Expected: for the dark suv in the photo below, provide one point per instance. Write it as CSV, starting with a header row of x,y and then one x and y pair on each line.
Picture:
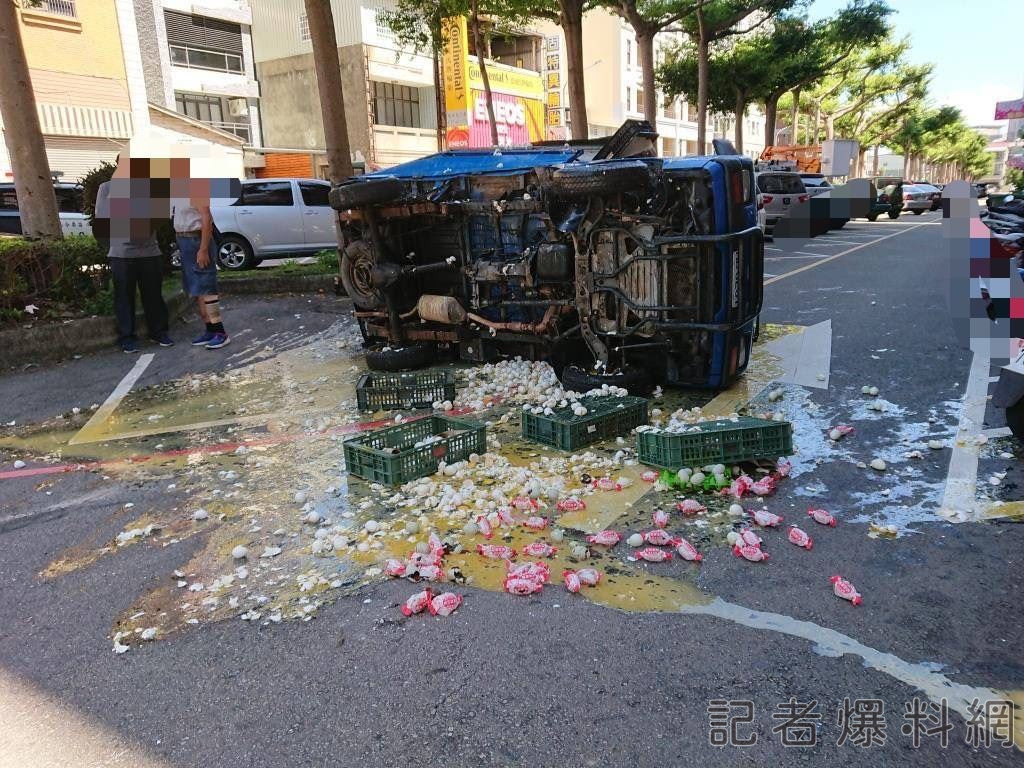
x,y
617,266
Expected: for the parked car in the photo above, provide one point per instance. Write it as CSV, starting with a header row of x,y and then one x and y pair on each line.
x,y
73,220
626,269
274,217
762,215
934,192
917,199
816,183
780,190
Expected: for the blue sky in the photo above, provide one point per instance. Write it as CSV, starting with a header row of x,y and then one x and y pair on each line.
x,y
977,47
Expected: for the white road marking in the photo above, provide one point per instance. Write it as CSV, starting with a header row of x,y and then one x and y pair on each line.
x,y
959,500
804,356
993,379
110,404
834,256
770,248
827,245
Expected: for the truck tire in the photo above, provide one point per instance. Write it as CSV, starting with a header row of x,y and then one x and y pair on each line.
x,y
400,358
1015,420
837,223
357,261
634,380
893,215
872,217
358,194
917,211
590,180
234,253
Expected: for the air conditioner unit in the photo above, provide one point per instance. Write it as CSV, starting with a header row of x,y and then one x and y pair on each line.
x,y
238,107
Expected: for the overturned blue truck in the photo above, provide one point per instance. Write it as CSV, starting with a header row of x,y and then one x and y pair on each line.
x,y
615,265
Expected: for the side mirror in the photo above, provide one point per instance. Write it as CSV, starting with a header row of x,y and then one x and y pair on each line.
x,y
1008,199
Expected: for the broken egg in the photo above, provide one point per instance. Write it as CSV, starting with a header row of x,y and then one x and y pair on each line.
x,y
878,464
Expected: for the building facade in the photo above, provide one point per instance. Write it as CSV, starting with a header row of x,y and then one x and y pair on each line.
x,y
390,98
198,61
82,93
110,83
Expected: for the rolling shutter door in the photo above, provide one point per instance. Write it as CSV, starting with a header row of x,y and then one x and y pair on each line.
x,y
287,165
75,157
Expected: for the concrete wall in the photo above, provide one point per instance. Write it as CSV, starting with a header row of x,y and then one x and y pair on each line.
x,y
291,102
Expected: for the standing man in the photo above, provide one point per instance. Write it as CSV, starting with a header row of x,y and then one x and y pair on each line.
x,y
124,219
193,227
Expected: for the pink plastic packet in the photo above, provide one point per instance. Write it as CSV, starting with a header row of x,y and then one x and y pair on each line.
x,y
821,516
524,503
393,567
416,603
535,523
658,537
484,525
571,504
589,577
539,549
431,572
605,538
750,538
763,487
534,571
496,551
846,590
765,518
572,581
444,604
753,554
649,476
660,518
607,484
652,555
799,537
687,551
516,586
691,507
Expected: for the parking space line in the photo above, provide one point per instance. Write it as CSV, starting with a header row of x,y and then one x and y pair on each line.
x,y
959,500
110,404
834,256
797,255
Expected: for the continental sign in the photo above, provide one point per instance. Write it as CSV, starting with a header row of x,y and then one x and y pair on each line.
x,y
517,96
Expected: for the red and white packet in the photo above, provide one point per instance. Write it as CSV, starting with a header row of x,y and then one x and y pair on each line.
x,y
800,538
846,590
605,538
444,604
416,603
652,555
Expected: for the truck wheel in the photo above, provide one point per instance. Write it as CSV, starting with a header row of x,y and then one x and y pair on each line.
x,y
358,194
893,214
872,217
1015,420
917,212
634,380
837,223
357,262
590,180
400,358
235,253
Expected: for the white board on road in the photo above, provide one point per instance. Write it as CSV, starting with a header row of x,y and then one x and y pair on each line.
x,y
805,356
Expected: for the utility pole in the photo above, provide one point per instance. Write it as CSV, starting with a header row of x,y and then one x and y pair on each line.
x,y
328,79
33,184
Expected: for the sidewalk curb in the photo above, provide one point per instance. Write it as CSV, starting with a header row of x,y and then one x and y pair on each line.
x,y
277,284
59,341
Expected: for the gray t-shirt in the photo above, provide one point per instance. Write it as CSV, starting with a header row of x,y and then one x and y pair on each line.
x,y
121,218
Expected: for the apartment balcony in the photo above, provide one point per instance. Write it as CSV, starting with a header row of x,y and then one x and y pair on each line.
x,y
236,11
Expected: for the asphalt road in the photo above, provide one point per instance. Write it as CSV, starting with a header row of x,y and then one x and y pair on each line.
x,y
548,680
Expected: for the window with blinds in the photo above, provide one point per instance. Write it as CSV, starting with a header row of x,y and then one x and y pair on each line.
x,y
200,42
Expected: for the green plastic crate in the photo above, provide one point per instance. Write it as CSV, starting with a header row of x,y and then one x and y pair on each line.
x,y
607,417
390,455
393,391
716,442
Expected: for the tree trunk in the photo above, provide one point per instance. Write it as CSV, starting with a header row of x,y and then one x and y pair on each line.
x,y
906,163
739,110
817,122
794,118
830,127
481,51
33,184
859,170
332,96
703,74
645,51
771,110
571,22
439,101
874,161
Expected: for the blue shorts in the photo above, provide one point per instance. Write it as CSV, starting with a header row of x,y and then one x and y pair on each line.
x,y
195,280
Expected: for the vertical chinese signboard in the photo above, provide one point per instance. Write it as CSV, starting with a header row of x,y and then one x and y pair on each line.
x,y
553,88
517,96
